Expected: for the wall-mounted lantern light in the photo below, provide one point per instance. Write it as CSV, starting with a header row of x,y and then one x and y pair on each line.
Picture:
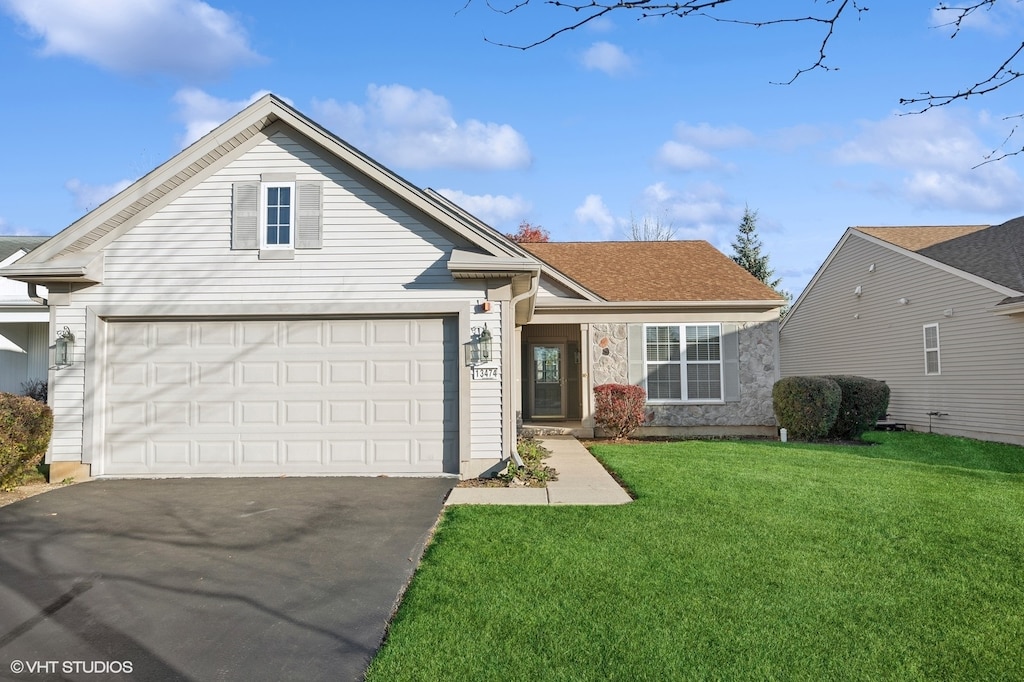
x,y
64,348
479,349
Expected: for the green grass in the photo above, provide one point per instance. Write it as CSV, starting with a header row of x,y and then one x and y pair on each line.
x,y
738,560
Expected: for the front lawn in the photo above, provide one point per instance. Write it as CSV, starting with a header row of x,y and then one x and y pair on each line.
x,y
738,560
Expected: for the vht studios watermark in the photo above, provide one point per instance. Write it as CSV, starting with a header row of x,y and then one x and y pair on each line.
x,y
19,667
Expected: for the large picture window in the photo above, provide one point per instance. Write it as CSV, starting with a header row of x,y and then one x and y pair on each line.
x,y
931,349
683,363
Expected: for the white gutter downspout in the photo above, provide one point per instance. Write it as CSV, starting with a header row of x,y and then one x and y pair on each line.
x,y
510,334
33,294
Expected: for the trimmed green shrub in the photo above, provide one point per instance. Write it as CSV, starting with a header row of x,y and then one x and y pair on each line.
x,y
619,409
25,428
806,406
864,402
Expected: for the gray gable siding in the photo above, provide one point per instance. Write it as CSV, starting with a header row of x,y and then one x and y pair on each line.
x,y
834,331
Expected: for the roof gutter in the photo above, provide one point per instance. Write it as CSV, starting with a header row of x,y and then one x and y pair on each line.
x,y
641,306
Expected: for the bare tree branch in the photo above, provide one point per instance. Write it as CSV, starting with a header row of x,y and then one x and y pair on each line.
x,y
591,10
1002,76
995,154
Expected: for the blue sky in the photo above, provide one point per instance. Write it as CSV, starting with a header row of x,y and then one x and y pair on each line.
x,y
674,120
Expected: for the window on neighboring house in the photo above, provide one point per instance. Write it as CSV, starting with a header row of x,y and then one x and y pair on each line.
x,y
278,214
683,362
931,349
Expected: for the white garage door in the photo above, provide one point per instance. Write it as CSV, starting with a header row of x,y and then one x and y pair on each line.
x,y
250,397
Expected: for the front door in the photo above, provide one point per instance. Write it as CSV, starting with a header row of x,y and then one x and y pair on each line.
x,y
547,380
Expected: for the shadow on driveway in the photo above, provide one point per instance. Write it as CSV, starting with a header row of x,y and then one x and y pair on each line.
x,y
209,579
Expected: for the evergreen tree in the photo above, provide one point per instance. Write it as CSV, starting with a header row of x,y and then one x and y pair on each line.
x,y
747,251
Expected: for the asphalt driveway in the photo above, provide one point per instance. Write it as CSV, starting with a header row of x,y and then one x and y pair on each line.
x,y
208,579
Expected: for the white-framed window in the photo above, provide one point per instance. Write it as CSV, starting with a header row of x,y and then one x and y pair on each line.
x,y
277,215
931,349
683,362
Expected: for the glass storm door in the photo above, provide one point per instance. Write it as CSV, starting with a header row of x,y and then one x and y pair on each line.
x,y
547,379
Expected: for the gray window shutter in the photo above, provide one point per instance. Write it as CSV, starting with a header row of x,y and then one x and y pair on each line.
x,y
635,349
308,215
245,209
731,362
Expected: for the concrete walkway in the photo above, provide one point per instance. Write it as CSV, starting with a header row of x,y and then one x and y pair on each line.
x,y
581,480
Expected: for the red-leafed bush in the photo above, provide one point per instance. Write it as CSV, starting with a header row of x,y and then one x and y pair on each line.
x,y
25,428
620,409
528,234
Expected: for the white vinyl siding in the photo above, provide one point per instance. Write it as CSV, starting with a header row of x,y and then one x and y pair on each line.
x,y
683,363
931,349
375,253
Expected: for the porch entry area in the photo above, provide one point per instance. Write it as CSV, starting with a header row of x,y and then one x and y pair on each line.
x,y
552,374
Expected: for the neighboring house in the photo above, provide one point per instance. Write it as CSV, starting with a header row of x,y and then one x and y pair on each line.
x,y
24,323
271,301
935,312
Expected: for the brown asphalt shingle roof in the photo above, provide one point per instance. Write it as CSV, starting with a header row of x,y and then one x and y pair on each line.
x,y
917,238
653,271
994,253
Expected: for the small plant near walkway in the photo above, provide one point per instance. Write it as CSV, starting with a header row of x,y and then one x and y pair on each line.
x,y
534,473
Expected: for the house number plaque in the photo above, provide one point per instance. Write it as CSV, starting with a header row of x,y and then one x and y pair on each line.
x,y
485,373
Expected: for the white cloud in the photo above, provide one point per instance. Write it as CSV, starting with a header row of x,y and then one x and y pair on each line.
x,y
701,211
685,157
688,150
607,57
934,157
184,38
87,197
416,129
594,212
492,209
711,137
202,112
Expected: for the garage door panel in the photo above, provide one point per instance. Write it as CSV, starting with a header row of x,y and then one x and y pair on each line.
x,y
391,372
214,453
396,332
215,414
347,333
223,397
347,452
258,413
171,414
347,374
172,454
214,334
304,334
259,452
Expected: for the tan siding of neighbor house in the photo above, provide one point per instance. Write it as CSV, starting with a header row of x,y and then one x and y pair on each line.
x,y
375,254
834,331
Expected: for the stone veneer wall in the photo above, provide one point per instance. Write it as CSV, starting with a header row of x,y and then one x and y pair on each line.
x,y
757,345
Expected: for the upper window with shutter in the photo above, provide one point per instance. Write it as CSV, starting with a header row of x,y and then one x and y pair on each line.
x,y
277,215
